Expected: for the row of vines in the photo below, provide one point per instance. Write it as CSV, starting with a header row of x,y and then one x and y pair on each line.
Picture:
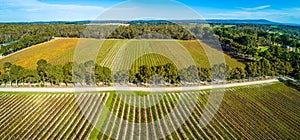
x,y
254,112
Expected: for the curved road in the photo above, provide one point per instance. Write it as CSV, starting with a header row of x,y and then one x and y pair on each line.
x,y
143,89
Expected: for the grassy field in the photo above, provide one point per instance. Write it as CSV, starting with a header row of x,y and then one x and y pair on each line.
x,y
120,54
251,112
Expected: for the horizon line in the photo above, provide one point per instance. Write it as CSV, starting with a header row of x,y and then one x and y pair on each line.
x,y
128,20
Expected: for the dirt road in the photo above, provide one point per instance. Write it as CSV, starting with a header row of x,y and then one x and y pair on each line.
x,y
143,89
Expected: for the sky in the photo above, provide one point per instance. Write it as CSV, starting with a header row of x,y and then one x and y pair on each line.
x,y
284,11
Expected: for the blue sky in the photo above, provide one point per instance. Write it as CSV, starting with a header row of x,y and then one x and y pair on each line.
x,y
286,11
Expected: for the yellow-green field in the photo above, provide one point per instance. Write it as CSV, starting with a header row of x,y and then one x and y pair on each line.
x,y
118,54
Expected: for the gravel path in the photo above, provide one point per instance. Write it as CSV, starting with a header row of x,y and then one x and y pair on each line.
x,y
143,89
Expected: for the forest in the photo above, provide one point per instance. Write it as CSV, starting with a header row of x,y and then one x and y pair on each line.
x,y
265,49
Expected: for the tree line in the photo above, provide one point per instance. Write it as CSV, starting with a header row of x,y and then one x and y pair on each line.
x,y
83,74
92,74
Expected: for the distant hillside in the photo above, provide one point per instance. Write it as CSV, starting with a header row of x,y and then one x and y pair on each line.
x,y
229,21
224,21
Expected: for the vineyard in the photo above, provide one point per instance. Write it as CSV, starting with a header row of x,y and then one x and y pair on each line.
x,y
254,112
124,52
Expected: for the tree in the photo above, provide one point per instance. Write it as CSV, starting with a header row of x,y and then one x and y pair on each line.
x,y
204,74
144,73
89,72
266,67
6,66
55,74
16,73
41,69
219,71
132,77
59,74
79,73
68,73
230,73
189,74
251,69
6,76
50,73
31,76
121,77
107,75
242,73
1,79
171,73
99,75
160,70
287,68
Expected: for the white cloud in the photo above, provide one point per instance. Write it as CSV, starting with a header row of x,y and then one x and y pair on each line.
x,y
162,9
33,10
257,8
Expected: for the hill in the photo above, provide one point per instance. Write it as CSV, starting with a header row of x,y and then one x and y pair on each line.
x,y
62,50
223,21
